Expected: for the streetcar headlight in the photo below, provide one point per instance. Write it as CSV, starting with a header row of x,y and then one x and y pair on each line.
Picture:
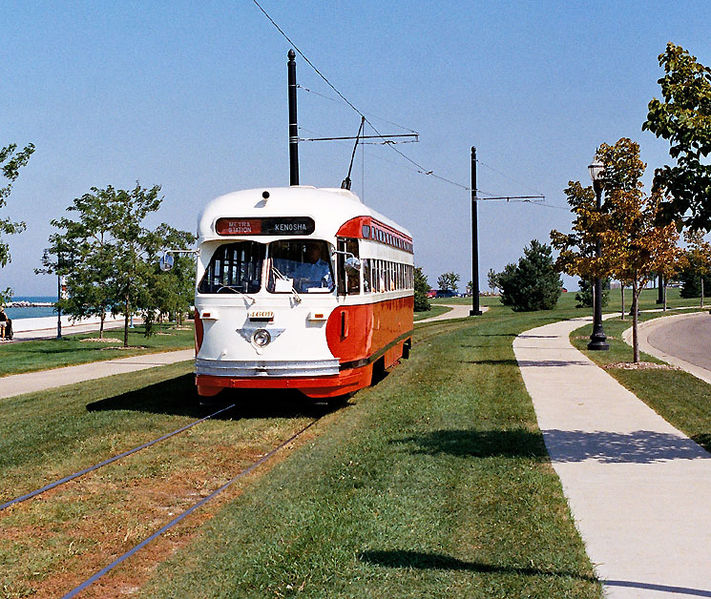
x,y
261,337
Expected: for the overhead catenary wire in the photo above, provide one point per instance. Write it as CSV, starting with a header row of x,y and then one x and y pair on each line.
x,y
375,116
509,177
419,168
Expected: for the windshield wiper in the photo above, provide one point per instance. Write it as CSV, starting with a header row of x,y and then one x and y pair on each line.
x,y
280,276
233,290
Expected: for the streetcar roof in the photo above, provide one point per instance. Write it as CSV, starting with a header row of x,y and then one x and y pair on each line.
x,y
329,208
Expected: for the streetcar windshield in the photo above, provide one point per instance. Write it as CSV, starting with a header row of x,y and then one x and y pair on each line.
x,y
234,268
301,265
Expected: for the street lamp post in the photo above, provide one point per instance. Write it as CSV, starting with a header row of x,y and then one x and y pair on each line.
x,y
598,340
60,264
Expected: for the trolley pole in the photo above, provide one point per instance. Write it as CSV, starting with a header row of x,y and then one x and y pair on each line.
x,y
475,311
293,126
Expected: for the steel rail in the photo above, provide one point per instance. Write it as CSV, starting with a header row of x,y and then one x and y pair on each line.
x,y
71,477
89,581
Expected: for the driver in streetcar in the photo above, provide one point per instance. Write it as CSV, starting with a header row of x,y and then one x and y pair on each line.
x,y
314,270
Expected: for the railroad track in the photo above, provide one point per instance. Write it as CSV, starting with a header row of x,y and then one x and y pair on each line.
x,y
253,466
116,458
422,334
245,470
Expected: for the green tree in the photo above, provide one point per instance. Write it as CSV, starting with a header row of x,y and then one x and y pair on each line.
x,y
167,292
533,283
422,287
635,245
448,281
691,281
697,258
137,249
492,280
683,118
11,161
584,296
83,252
109,256
175,290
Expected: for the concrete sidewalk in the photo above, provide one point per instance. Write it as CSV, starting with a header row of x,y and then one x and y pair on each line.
x,y
457,311
18,384
637,487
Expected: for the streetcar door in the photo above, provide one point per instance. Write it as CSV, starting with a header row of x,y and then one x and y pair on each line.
x,y
348,276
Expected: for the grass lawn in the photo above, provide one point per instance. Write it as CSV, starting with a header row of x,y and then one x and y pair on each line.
x,y
51,543
27,356
434,483
680,398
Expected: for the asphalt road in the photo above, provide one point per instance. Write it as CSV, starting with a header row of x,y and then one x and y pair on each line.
x,y
687,338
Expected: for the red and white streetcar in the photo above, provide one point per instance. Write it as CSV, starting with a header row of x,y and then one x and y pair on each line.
x,y
300,288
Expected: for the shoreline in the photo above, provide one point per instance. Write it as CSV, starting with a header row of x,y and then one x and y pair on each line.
x,y
29,304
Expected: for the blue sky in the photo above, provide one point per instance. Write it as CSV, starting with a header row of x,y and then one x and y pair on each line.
x,y
193,98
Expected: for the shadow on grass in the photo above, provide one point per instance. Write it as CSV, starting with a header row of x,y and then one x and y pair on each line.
x,y
435,561
638,447
703,439
503,362
496,334
518,443
179,397
529,363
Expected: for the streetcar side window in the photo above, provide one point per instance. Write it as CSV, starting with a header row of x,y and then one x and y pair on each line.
x,y
366,276
301,264
348,278
380,276
234,268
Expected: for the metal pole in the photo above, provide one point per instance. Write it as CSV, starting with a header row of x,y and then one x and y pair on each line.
x,y
660,290
59,297
598,340
475,311
293,126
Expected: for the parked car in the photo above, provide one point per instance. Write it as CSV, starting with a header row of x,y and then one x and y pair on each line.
x,y
446,293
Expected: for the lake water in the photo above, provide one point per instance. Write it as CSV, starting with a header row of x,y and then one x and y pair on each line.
x,y
17,313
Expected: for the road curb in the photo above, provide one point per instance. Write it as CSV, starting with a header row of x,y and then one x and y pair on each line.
x,y
645,328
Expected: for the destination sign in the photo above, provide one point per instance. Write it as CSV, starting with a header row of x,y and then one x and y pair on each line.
x,y
290,225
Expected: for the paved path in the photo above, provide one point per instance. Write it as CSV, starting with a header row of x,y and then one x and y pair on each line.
x,y
637,487
457,311
17,384
682,340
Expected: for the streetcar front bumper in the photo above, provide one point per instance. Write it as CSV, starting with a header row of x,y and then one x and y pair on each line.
x,y
266,368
